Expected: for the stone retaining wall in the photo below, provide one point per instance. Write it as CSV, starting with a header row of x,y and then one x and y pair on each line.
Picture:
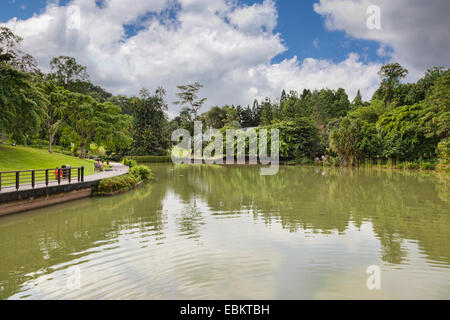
x,y
23,200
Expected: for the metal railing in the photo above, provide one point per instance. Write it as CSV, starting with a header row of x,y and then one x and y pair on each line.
x,y
43,177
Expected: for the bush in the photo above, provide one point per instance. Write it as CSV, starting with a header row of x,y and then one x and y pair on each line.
x,y
111,185
443,150
141,172
129,162
124,183
410,166
427,166
332,162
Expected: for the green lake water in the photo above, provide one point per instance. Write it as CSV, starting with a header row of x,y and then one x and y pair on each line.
x,y
226,232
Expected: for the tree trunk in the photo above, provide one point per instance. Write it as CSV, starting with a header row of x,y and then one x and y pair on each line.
x,y
50,142
83,148
3,136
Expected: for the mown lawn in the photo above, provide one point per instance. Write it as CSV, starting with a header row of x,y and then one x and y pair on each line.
x,y
24,158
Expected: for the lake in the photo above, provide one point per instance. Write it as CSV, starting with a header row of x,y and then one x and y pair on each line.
x,y
226,232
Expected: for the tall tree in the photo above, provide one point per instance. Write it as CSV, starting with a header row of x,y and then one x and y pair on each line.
x,y
188,97
358,101
66,70
267,112
11,52
341,104
215,117
256,113
232,117
91,121
150,124
55,110
88,88
246,117
127,104
21,103
390,74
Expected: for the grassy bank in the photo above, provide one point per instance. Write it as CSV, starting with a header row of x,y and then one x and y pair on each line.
x,y
25,158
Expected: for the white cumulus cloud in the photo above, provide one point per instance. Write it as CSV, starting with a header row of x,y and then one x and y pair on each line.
x,y
417,31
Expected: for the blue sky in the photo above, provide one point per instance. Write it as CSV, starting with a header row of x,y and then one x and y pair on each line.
x,y
303,30
301,27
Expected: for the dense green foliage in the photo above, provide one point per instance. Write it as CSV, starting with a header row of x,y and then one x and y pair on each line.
x,y
124,183
141,172
22,103
64,109
129,162
150,124
403,122
408,132
151,159
117,184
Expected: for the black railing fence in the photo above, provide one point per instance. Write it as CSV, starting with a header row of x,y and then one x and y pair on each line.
x,y
42,177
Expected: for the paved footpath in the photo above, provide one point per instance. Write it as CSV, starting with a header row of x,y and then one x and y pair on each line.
x,y
118,169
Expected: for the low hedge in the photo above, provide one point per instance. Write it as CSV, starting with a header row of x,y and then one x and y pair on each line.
x,y
113,185
124,183
151,159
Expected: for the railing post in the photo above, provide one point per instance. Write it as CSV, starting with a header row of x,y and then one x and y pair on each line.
x,y
70,175
82,174
17,180
79,174
0,181
46,177
59,176
32,179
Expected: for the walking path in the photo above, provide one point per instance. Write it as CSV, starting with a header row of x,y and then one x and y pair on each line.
x,y
118,169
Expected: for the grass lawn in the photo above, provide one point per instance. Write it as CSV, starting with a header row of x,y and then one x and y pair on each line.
x,y
24,158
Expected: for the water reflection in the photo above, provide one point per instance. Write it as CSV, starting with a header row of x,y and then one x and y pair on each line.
x,y
228,232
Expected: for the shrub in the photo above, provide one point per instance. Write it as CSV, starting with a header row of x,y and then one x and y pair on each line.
x,y
129,162
124,183
115,184
141,172
410,166
443,149
332,162
427,166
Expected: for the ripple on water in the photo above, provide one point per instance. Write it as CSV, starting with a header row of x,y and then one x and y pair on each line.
x,y
217,233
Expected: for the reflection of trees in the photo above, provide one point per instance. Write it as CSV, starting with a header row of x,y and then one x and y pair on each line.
x,y
190,220
400,205
36,241
392,250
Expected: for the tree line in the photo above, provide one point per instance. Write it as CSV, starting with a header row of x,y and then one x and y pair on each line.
x,y
64,108
402,121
